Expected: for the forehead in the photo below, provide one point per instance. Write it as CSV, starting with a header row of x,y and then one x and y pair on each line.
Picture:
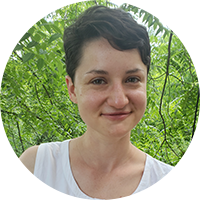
x,y
99,54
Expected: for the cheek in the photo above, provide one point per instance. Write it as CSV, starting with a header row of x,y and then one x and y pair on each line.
x,y
139,99
89,101
93,98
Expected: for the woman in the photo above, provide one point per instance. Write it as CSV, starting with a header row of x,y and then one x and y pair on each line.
x,y
107,59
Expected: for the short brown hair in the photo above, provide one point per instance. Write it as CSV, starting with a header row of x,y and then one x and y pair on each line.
x,y
115,25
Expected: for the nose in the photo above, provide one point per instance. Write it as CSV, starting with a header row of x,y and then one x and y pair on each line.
x,y
117,97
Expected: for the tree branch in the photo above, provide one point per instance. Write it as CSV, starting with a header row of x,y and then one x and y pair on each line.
x,y
20,138
42,86
58,124
12,113
161,99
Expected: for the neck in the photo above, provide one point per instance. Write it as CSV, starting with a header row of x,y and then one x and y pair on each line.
x,y
102,153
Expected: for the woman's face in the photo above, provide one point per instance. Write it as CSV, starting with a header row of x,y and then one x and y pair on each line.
x,y
109,88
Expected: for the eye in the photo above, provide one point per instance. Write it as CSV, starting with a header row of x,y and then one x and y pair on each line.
x,y
98,82
132,80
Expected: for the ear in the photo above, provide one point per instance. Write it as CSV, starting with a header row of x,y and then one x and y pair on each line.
x,y
71,89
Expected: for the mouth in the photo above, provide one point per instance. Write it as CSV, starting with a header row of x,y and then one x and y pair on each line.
x,y
116,115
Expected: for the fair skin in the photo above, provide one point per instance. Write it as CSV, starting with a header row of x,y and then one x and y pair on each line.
x,y
110,90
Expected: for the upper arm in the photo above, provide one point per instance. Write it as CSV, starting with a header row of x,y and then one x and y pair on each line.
x,y
19,181
181,190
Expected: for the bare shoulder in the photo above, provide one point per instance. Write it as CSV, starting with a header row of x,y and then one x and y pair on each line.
x,y
181,190
19,181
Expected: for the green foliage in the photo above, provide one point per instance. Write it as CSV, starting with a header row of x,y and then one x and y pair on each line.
x,y
35,105
174,132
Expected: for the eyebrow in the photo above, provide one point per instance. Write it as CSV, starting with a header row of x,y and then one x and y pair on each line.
x,y
132,71
94,71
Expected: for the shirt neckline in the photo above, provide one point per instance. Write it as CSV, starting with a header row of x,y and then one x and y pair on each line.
x,y
76,189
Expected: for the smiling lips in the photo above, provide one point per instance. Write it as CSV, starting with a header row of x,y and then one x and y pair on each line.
x,y
116,115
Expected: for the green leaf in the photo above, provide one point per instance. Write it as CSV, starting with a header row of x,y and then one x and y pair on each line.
x,y
60,67
5,130
159,30
26,36
165,34
46,25
36,20
141,13
6,41
48,28
32,44
145,17
155,25
56,29
27,57
18,47
13,3
37,37
151,24
150,19
31,30
54,37
40,63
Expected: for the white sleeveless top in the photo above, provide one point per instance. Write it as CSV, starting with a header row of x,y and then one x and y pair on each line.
x,y
52,166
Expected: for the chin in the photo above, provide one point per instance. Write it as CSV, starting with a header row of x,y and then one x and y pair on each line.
x,y
119,132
